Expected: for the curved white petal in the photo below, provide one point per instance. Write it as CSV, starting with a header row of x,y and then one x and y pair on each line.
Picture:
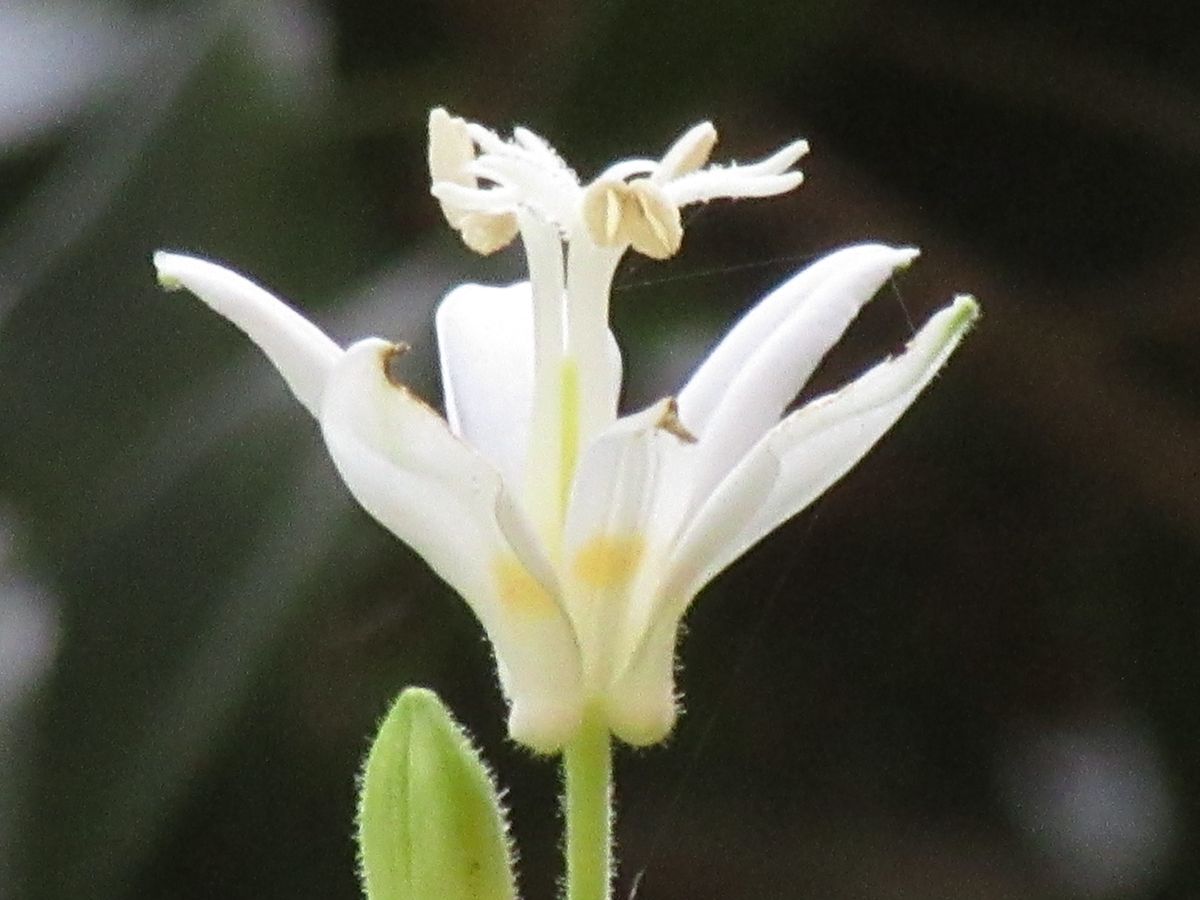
x,y
640,706
814,447
301,352
819,443
815,313
627,501
703,549
485,343
642,700
406,469
704,390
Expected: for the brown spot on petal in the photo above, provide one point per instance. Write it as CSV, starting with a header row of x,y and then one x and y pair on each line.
x,y
671,423
390,357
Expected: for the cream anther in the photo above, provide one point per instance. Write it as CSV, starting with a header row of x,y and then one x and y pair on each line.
x,y
486,233
635,213
688,154
451,155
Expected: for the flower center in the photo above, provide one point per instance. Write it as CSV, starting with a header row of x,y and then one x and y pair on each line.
x,y
492,189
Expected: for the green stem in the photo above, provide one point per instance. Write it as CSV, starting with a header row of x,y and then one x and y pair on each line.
x,y
587,807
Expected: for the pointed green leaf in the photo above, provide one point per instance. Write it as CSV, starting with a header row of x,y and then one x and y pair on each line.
x,y
430,823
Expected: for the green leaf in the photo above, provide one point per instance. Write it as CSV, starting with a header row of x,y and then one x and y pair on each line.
x,y
430,823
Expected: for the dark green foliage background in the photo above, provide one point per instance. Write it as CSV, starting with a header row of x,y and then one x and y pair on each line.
x,y
1020,557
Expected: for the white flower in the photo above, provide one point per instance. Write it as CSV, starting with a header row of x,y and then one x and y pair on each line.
x,y
580,538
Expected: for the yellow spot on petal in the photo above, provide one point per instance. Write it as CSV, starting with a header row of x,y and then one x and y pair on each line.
x,y
608,561
518,590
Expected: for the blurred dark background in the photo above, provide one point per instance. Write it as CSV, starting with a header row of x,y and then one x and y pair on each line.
x,y
970,671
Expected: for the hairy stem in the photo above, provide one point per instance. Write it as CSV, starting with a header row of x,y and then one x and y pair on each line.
x,y
587,808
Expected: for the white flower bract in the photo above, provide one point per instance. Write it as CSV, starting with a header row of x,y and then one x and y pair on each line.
x,y
579,538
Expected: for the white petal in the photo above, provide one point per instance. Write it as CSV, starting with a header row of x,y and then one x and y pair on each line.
x,y
640,707
640,704
704,390
401,462
301,352
703,549
769,356
626,505
819,443
485,343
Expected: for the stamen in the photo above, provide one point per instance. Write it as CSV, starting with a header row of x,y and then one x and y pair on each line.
x,y
486,233
451,150
602,211
451,155
657,231
688,154
612,215
637,214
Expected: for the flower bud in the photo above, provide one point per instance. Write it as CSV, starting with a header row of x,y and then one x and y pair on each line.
x,y
430,823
